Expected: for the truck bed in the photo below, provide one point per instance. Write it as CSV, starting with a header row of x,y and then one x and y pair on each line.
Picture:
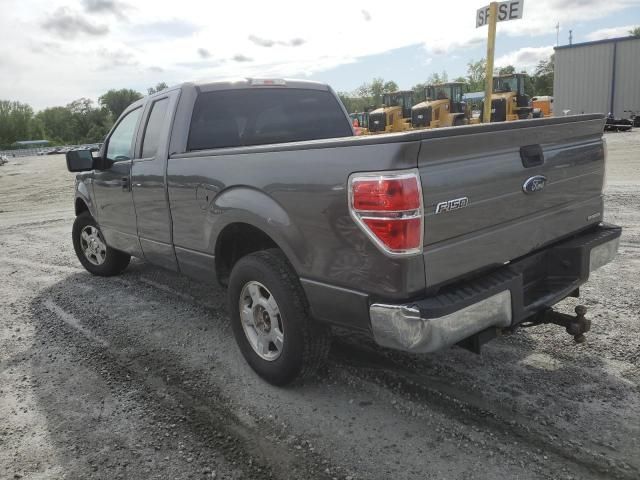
x,y
308,180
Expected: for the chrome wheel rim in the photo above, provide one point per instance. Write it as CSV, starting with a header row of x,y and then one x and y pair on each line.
x,y
93,245
261,321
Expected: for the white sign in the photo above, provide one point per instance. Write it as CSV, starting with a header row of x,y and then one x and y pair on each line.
x,y
506,11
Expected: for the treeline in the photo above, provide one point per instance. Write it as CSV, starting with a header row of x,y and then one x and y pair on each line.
x,y
81,121
369,95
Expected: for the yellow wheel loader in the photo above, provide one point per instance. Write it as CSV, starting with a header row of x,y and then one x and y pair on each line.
x,y
394,115
442,108
508,101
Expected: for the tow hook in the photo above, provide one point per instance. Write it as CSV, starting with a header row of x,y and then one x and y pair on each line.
x,y
576,326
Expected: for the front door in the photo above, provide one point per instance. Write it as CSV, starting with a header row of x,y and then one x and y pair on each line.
x,y
112,186
149,181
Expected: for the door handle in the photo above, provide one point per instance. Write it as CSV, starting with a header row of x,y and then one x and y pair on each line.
x,y
531,156
125,184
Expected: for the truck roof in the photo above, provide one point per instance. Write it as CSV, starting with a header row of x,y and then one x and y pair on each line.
x,y
255,82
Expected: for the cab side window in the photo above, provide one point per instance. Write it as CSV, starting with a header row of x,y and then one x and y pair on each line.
x,y
120,145
154,126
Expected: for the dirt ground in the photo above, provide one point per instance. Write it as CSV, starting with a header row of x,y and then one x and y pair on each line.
x,y
138,376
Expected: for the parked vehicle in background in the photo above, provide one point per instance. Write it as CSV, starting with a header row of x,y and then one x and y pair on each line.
x,y
421,240
542,106
394,115
634,117
444,107
509,101
614,124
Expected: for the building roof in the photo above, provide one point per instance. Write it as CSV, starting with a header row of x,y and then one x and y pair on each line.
x,y
597,42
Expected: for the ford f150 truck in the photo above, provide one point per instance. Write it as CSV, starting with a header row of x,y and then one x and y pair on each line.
x,y
422,239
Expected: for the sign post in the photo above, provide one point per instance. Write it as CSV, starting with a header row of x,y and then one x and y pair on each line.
x,y
491,15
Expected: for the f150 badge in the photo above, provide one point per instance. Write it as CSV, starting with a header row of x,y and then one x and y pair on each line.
x,y
454,204
534,184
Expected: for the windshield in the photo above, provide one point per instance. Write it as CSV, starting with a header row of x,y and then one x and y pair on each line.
x,y
443,92
506,84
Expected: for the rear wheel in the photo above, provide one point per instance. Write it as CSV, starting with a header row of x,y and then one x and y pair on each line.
x,y
271,321
92,250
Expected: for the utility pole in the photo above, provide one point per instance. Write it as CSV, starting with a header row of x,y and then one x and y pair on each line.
x,y
557,33
570,37
509,10
491,46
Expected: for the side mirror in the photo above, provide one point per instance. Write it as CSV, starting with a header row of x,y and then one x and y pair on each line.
x,y
80,161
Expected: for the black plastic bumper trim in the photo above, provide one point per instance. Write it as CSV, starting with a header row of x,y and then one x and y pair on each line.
x,y
536,281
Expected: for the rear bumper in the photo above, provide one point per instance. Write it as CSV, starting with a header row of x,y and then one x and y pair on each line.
x,y
501,298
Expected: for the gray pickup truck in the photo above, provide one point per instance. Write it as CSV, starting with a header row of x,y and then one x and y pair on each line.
x,y
422,240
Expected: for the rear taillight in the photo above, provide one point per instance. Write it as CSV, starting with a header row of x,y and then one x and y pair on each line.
x,y
388,208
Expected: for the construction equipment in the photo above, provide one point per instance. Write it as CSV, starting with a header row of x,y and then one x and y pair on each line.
x,y
395,113
614,124
508,101
443,107
360,122
542,106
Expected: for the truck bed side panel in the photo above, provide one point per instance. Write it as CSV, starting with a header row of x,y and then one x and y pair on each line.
x,y
299,198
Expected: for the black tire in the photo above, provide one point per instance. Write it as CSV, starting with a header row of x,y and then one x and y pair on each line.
x,y
114,262
306,342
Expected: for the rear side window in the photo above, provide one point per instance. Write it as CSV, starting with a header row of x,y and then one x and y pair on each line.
x,y
154,127
232,118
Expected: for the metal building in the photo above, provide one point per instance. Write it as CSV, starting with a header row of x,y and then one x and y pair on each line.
x,y
598,77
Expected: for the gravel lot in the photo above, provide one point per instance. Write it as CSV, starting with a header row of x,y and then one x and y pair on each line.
x,y
138,376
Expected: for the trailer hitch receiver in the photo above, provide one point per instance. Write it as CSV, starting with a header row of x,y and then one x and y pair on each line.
x,y
576,325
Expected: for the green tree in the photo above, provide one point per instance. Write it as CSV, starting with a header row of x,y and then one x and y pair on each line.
x,y
508,70
372,92
90,124
57,124
15,122
390,86
158,88
543,78
117,100
376,89
354,103
476,74
634,32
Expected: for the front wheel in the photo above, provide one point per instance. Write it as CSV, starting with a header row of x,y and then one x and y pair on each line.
x,y
271,321
92,250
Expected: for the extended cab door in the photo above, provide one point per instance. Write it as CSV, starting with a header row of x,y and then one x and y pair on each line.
x,y
112,185
148,180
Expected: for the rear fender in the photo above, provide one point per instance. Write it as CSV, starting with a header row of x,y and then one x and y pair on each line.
x,y
256,208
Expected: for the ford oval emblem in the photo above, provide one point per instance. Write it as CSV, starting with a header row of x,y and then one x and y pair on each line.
x,y
534,184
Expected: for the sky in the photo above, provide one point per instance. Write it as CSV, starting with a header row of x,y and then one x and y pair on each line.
x,y
55,51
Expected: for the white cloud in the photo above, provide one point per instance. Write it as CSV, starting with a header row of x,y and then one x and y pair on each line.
x,y
211,40
610,33
524,58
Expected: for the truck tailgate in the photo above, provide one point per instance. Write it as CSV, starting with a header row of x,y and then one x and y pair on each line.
x,y
501,221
